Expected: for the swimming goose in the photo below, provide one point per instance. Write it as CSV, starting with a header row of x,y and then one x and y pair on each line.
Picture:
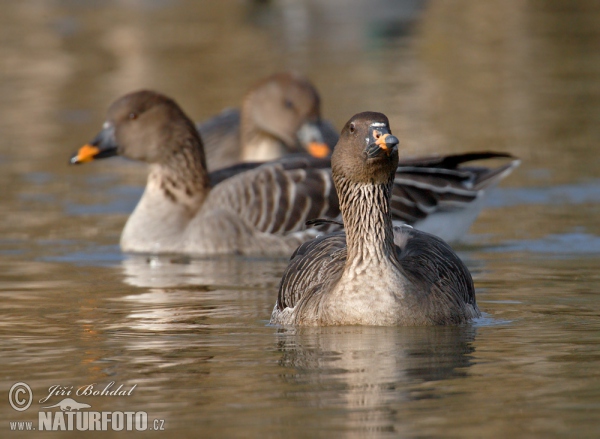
x,y
183,210
266,205
280,115
441,195
373,273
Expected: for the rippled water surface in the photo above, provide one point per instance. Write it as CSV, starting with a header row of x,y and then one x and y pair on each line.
x,y
192,335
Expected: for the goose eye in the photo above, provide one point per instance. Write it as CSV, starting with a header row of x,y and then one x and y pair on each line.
x,y
133,116
288,104
352,127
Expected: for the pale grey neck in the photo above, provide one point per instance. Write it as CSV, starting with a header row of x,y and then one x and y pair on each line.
x,y
368,222
261,147
175,191
257,144
166,208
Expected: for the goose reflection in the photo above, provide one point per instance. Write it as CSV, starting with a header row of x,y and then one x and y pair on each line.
x,y
217,272
175,294
371,371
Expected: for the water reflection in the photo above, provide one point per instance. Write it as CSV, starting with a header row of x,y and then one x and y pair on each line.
x,y
302,25
163,271
517,76
368,371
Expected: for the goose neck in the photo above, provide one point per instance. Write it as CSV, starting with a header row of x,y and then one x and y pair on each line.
x,y
256,143
181,175
368,222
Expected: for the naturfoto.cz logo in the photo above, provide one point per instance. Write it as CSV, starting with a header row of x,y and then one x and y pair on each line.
x,y
69,414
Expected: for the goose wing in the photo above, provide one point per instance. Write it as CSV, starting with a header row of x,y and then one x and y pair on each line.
x,y
425,185
313,265
220,175
300,183
432,266
288,163
279,197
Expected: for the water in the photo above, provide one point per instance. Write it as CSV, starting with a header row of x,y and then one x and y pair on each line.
x,y
192,335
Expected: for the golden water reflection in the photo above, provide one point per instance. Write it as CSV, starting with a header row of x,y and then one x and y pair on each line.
x,y
514,76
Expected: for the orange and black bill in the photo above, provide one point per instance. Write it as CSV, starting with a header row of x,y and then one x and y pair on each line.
x,y
312,140
381,141
104,145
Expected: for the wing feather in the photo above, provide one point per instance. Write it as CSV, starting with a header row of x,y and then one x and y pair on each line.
x,y
298,188
434,268
425,185
279,197
313,265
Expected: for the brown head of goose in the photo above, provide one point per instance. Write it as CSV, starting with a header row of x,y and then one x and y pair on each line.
x,y
259,211
280,115
372,273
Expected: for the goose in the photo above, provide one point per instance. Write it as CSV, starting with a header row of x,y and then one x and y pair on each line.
x,y
280,115
255,208
184,209
373,273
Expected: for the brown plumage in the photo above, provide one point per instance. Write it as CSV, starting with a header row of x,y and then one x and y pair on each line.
x,y
372,273
259,211
280,115
250,208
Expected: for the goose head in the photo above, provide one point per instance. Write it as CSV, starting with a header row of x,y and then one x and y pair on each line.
x,y
284,107
366,152
145,126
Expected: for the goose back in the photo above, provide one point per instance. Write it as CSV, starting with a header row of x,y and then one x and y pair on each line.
x,y
279,197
